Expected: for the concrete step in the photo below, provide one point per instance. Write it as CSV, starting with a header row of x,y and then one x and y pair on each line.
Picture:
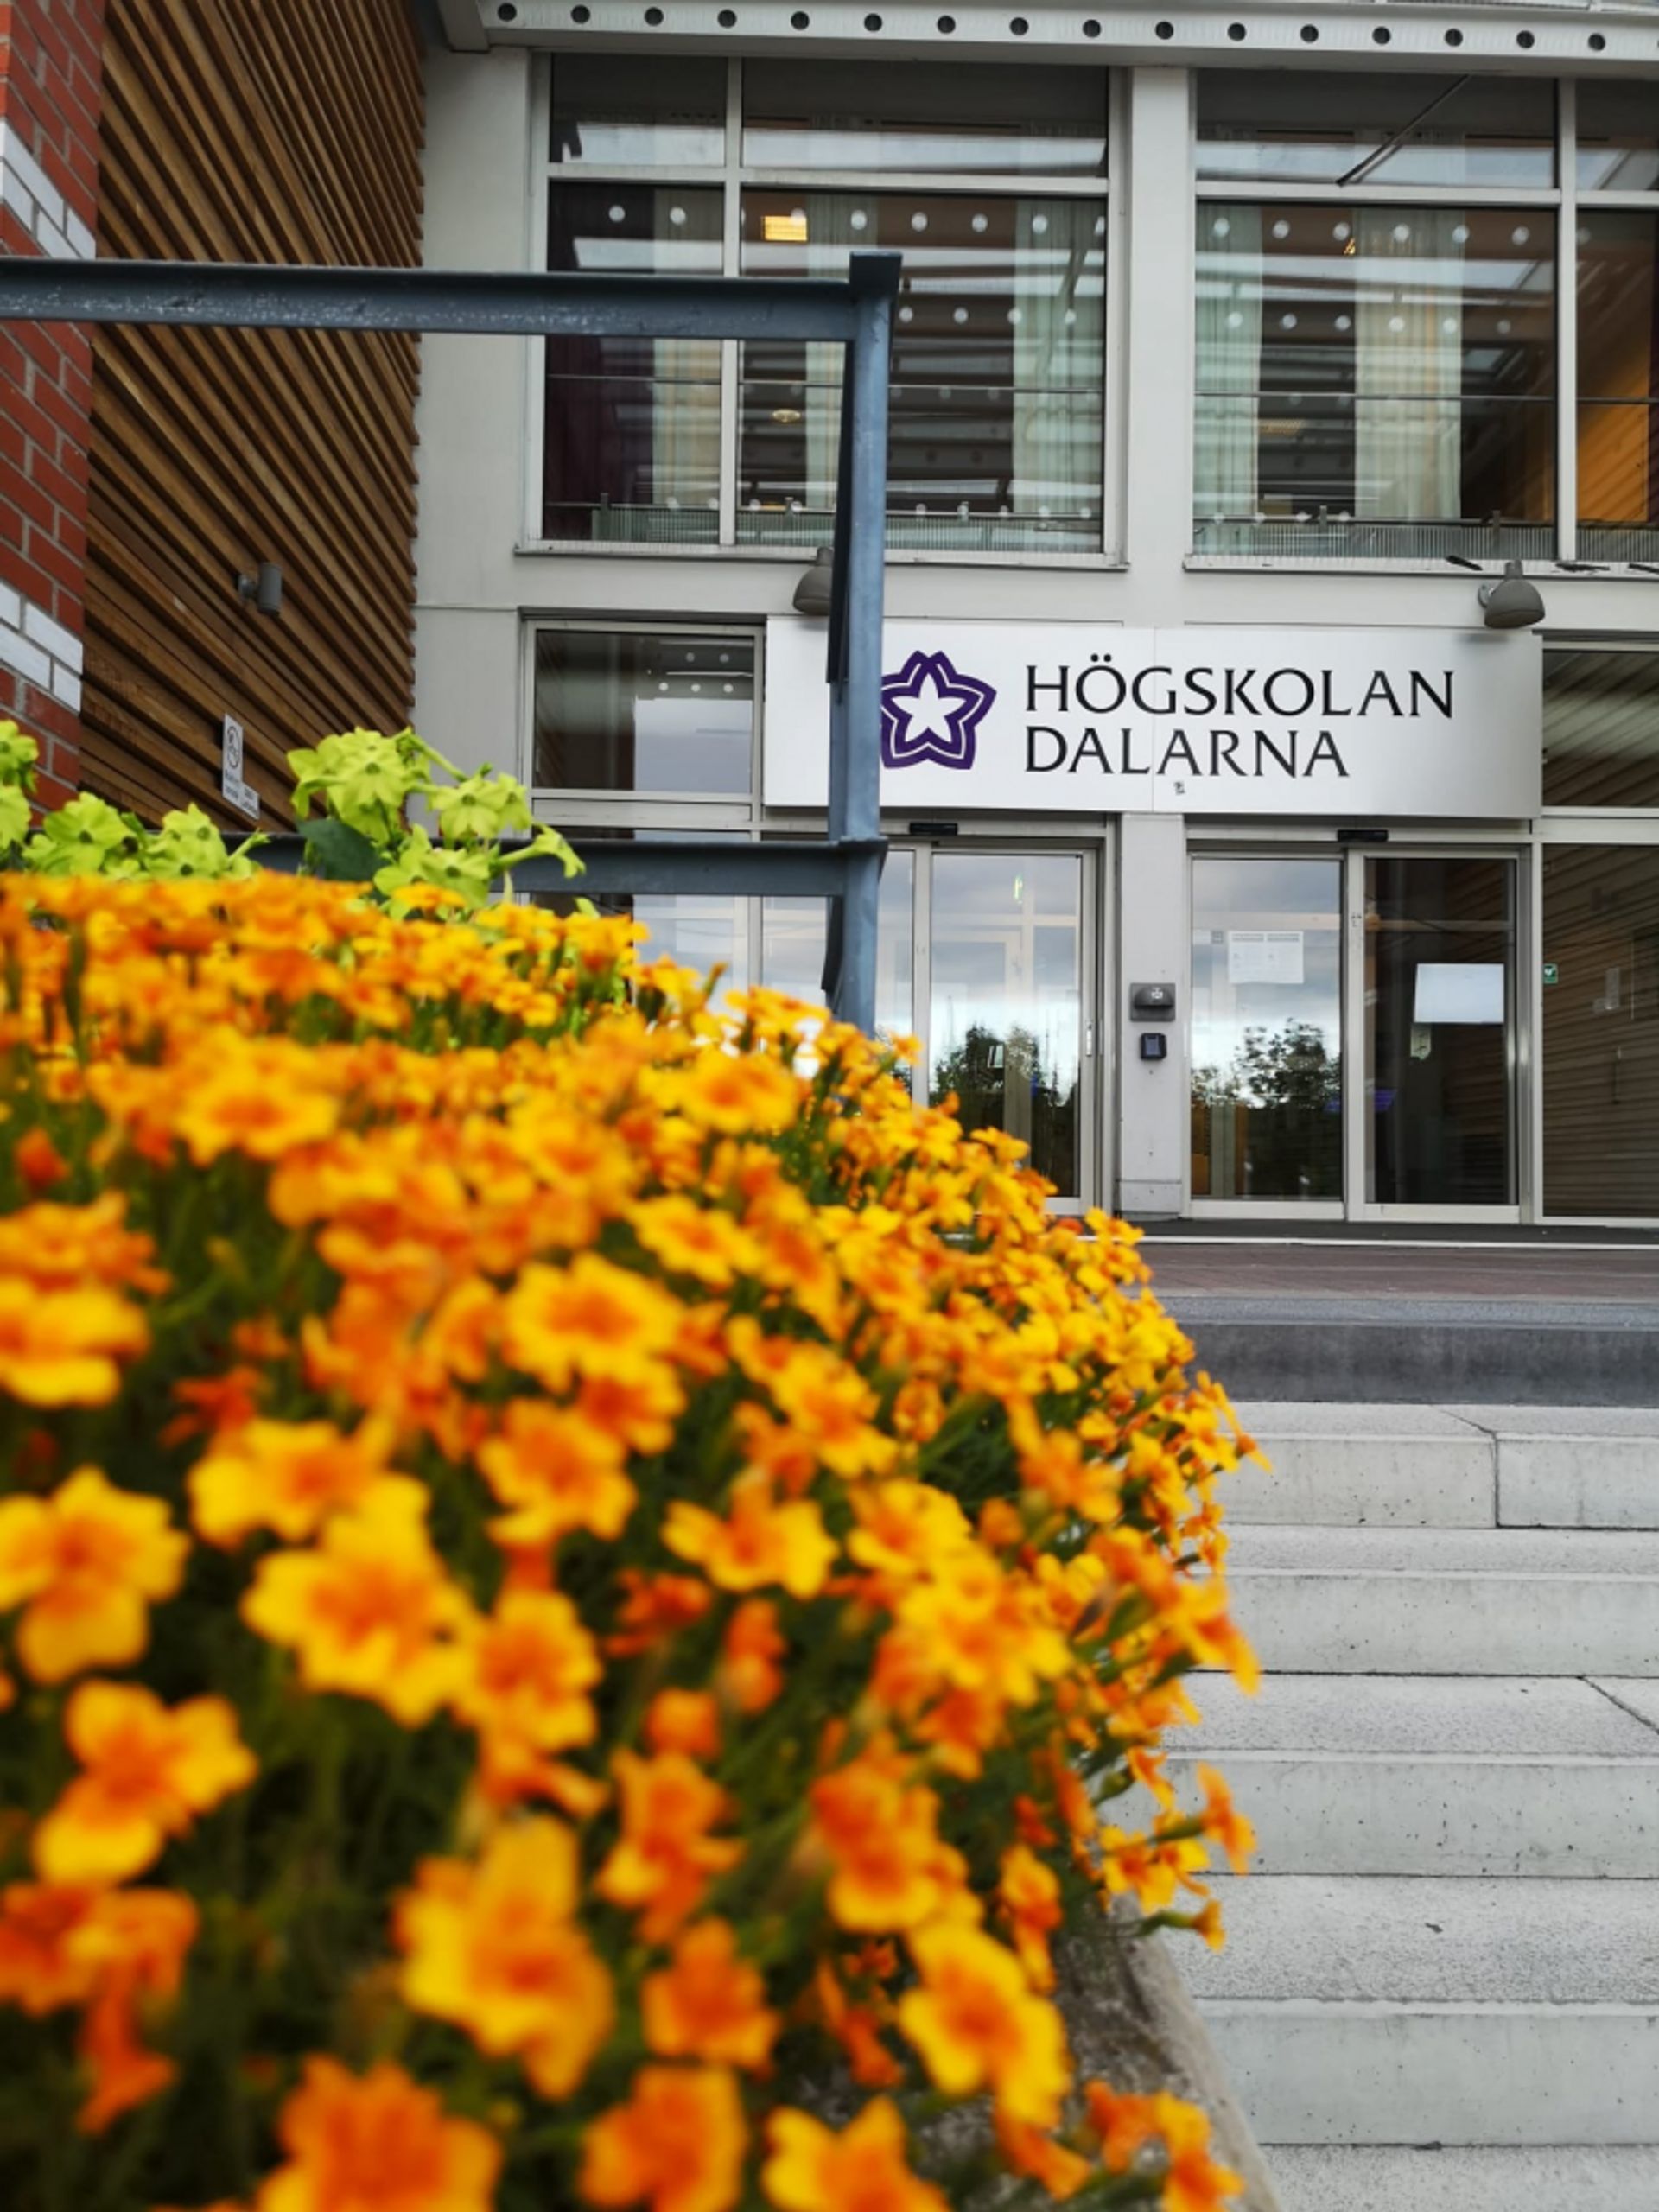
x,y
1329,1939
1395,1775
1382,2072
1448,1601
1455,1466
1418,1996
1430,2179
1425,1350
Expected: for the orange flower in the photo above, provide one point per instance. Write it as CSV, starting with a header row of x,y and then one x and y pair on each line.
x,y
676,2146
708,2004
41,1970
1027,2149
214,1404
891,1871
906,1528
692,1240
753,1645
286,1476
759,1543
591,1317
1222,1822
38,1161
377,2140
1029,1894
665,1857
684,1720
91,1560
862,2168
135,1944
737,1095
61,1347
528,1669
266,1099
654,1609
148,1770
494,1948
370,1610
555,1471
1191,2181
977,2025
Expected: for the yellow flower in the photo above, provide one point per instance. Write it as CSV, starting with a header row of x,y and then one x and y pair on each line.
x,y
147,1770
709,2003
665,1857
63,1347
90,1560
262,1096
286,1476
494,1947
978,2024
527,1671
692,1240
591,1318
370,1610
890,1869
862,2168
556,1471
676,2146
1222,1822
759,1542
376,2142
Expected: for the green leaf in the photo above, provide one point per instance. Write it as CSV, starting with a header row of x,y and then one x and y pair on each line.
x,y
338,852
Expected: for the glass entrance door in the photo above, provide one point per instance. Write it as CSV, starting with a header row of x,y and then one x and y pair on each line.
x,y
1010,1021
1354,1033
1437,943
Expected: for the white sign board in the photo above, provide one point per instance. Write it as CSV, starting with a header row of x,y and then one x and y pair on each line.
x,y
1264,955
232,781
1083,719
1461,990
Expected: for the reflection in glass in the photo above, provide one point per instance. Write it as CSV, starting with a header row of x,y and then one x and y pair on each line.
x,y
1601,729
1618,137
1601,1029
914,118
1004,1030
632,112
633,439
1440,1012
1374,380
619,710
792,943
1319,127
997,369
1618,383
1267,1028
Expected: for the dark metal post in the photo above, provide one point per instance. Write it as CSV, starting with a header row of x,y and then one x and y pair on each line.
x,y
875,281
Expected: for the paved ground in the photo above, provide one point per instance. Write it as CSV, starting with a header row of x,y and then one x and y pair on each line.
x,y
1514,1273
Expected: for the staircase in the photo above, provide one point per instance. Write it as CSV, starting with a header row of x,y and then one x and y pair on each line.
x,y
1441,1989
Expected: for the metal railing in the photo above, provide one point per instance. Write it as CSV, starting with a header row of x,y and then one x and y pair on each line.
x,y
845,867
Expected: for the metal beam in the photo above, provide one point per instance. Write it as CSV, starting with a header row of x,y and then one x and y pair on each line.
x,y
782,868
513,304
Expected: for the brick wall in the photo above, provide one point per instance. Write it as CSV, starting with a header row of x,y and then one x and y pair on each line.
x,y
50,55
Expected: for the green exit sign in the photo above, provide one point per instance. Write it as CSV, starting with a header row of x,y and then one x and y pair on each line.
x,y
1552,973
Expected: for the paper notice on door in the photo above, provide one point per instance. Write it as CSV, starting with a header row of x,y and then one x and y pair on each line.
x,y
1264,955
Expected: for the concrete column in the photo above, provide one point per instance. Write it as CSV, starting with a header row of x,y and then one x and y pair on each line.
x,y
1158,468
1154,1126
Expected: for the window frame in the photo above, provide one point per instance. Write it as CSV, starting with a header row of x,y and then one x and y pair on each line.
x,y
732,179
1564,200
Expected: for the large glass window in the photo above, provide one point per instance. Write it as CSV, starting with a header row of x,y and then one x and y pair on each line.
x,y
1601,1029
992,186
663,713
1601,729
1373,380
1336,129
1618,383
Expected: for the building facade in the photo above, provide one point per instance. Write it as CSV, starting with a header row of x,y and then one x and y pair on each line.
x,y
1240,861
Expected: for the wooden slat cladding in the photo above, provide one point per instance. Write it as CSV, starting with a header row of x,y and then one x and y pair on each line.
x,y
240,130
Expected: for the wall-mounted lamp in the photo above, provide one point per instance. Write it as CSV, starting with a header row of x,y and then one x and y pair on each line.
x,y
1510,601
813,593
264,586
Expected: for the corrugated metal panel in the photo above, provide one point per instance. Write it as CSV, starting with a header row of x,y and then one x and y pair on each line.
x,y
240,132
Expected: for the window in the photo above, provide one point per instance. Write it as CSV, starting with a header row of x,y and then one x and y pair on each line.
x,y
997,400
1618,383
648,713
1327,129
1600,943
1601,729
1383,374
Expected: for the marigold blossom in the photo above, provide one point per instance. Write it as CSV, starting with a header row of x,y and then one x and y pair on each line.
x,y
978,2024
708,2003
676,2146
862,2168
90,1561
377,2139
148,1770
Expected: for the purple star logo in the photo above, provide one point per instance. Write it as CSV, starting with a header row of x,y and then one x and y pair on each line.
x,y
930,712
